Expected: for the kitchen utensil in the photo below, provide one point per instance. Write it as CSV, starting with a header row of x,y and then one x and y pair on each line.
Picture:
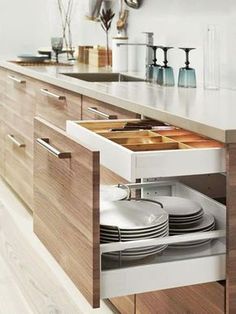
x,y
31,58
152,69
187,75
134,4
57,46
165,73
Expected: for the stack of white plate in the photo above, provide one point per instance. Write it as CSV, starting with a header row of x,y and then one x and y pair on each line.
x,y
186,216
130,221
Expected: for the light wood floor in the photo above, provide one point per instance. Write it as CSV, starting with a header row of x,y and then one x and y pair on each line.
x,y
30,279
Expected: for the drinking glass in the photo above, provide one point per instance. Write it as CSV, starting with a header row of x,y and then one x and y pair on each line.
x,y
187,75
166,74
152,69
57,46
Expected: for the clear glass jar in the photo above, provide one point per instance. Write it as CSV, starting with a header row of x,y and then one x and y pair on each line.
x,y
212,58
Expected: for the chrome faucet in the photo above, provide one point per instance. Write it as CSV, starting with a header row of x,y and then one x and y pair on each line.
x,y
148,42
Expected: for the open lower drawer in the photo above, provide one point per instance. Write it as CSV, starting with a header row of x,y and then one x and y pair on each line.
x,y
160,152
67,221
174,267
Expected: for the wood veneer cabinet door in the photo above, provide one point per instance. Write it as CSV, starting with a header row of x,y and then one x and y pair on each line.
x,y
18,163
93,109
57,105
197,299
66,211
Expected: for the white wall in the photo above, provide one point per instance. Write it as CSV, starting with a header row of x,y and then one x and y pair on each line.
x,y
28,24
23,26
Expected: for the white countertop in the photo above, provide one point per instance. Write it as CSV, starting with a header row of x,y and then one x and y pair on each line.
x,y
211,113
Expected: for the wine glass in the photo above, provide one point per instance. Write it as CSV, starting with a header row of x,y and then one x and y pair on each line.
x,y
166,73
187,75
57,46
152,69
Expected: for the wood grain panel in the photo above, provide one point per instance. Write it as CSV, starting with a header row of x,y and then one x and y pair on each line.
x,y
125,305
1,143
231,230
105,108
54,110
66,216
199,299
18,165
3,75
20,98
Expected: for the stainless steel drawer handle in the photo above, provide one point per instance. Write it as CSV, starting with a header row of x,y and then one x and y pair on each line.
x,y
14,141
46,92
102,114
44,142
19,81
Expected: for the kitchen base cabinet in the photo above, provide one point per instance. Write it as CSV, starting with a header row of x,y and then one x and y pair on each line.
x,y
66,207
18,112
198,299
56,104
66,220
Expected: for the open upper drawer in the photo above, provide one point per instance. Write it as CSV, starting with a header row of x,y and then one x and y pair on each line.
x,y
162,151
67,221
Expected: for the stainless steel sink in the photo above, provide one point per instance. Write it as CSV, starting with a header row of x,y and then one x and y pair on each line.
x,y
104,77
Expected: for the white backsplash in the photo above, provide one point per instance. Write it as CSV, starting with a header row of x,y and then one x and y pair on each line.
x,y
174,22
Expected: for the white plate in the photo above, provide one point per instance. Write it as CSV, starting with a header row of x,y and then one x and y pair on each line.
x,y
32,58
112,193
132,215
116,256
184,219
112,230
185,232
206,222
134,234
189,245
179,206
125,239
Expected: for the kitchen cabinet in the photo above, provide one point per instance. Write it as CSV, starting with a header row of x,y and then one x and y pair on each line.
x,y
57,105
93,109
18,113
66,219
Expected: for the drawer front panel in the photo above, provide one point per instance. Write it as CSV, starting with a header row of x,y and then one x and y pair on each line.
x,y
18,163
66,213
104,111
133,165
57,105
20,96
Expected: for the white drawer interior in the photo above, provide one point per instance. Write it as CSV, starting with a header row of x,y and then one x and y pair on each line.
x,y
174,267
145,154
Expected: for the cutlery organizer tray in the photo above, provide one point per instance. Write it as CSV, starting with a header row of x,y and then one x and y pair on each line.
x,y
173,267
145,150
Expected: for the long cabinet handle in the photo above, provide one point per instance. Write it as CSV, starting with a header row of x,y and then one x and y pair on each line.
x,y
46,92
44,142
102,114
15,79
14,141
